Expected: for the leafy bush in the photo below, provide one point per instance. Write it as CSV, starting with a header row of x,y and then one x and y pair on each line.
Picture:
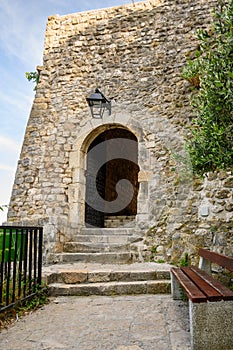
x,y
211,74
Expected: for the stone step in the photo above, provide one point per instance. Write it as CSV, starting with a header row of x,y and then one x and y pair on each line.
x,y
111,288
120,239
107,279
119,221
109,231
89,247
115,224
97,275
101,257
123,220
120,217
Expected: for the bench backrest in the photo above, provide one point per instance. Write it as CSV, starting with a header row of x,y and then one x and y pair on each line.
x,y
219,259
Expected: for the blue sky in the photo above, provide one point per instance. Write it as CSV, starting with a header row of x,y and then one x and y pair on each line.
x,y
22,28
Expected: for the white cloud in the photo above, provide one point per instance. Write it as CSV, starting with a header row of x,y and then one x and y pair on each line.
x,y
20,100
6,182
8,145
9,153
6,167
21,30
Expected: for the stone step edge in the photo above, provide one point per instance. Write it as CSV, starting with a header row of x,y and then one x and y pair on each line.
x,y
111,288
103,257
75,247
113,217
104,239
85,276
110,236
96,244
124,253
109,231
120,240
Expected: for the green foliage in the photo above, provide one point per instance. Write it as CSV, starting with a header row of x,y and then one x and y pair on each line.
x,y
37,301
15,250
154,249
211,73
160,261
2,207
185,260
34,76
22,308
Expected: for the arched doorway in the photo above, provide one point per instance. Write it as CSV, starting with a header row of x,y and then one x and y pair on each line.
x,y
111,177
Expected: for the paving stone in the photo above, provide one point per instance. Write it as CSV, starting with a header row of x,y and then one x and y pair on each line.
x,y
142,322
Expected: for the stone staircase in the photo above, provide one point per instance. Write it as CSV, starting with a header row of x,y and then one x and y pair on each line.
x,y
103,279
99,262
99,245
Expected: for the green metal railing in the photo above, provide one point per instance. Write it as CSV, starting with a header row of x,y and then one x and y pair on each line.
x,y
20,263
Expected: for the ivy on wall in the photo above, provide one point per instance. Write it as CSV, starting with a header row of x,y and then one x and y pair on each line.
x,y
211,74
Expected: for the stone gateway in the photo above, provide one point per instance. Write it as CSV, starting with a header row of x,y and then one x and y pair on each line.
x,y
122,182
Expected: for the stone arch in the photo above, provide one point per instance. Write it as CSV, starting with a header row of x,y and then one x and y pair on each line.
x,y
78,166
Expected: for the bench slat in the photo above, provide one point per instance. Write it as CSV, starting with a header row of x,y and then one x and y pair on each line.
x,y
219,259
211,293
190,288
226,292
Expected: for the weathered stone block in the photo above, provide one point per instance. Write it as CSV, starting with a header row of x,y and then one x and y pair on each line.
x,y
73,277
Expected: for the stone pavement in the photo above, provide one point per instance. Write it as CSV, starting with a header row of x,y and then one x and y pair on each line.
x,y
140,322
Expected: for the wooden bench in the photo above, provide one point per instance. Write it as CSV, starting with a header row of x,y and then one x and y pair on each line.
x,y
210,302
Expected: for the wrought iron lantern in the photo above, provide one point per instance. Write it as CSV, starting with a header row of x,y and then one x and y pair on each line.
x,y
98,103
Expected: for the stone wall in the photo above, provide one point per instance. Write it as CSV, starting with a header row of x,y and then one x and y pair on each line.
x,y
135,55
204,220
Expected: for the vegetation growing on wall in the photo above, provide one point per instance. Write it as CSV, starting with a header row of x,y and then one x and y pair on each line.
x,y
211,74
2,207
34,76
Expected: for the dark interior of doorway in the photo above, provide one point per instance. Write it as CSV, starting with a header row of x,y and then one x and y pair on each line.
x,y
109,174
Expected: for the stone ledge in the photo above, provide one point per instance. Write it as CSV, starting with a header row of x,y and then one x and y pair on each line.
x,y
111,288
